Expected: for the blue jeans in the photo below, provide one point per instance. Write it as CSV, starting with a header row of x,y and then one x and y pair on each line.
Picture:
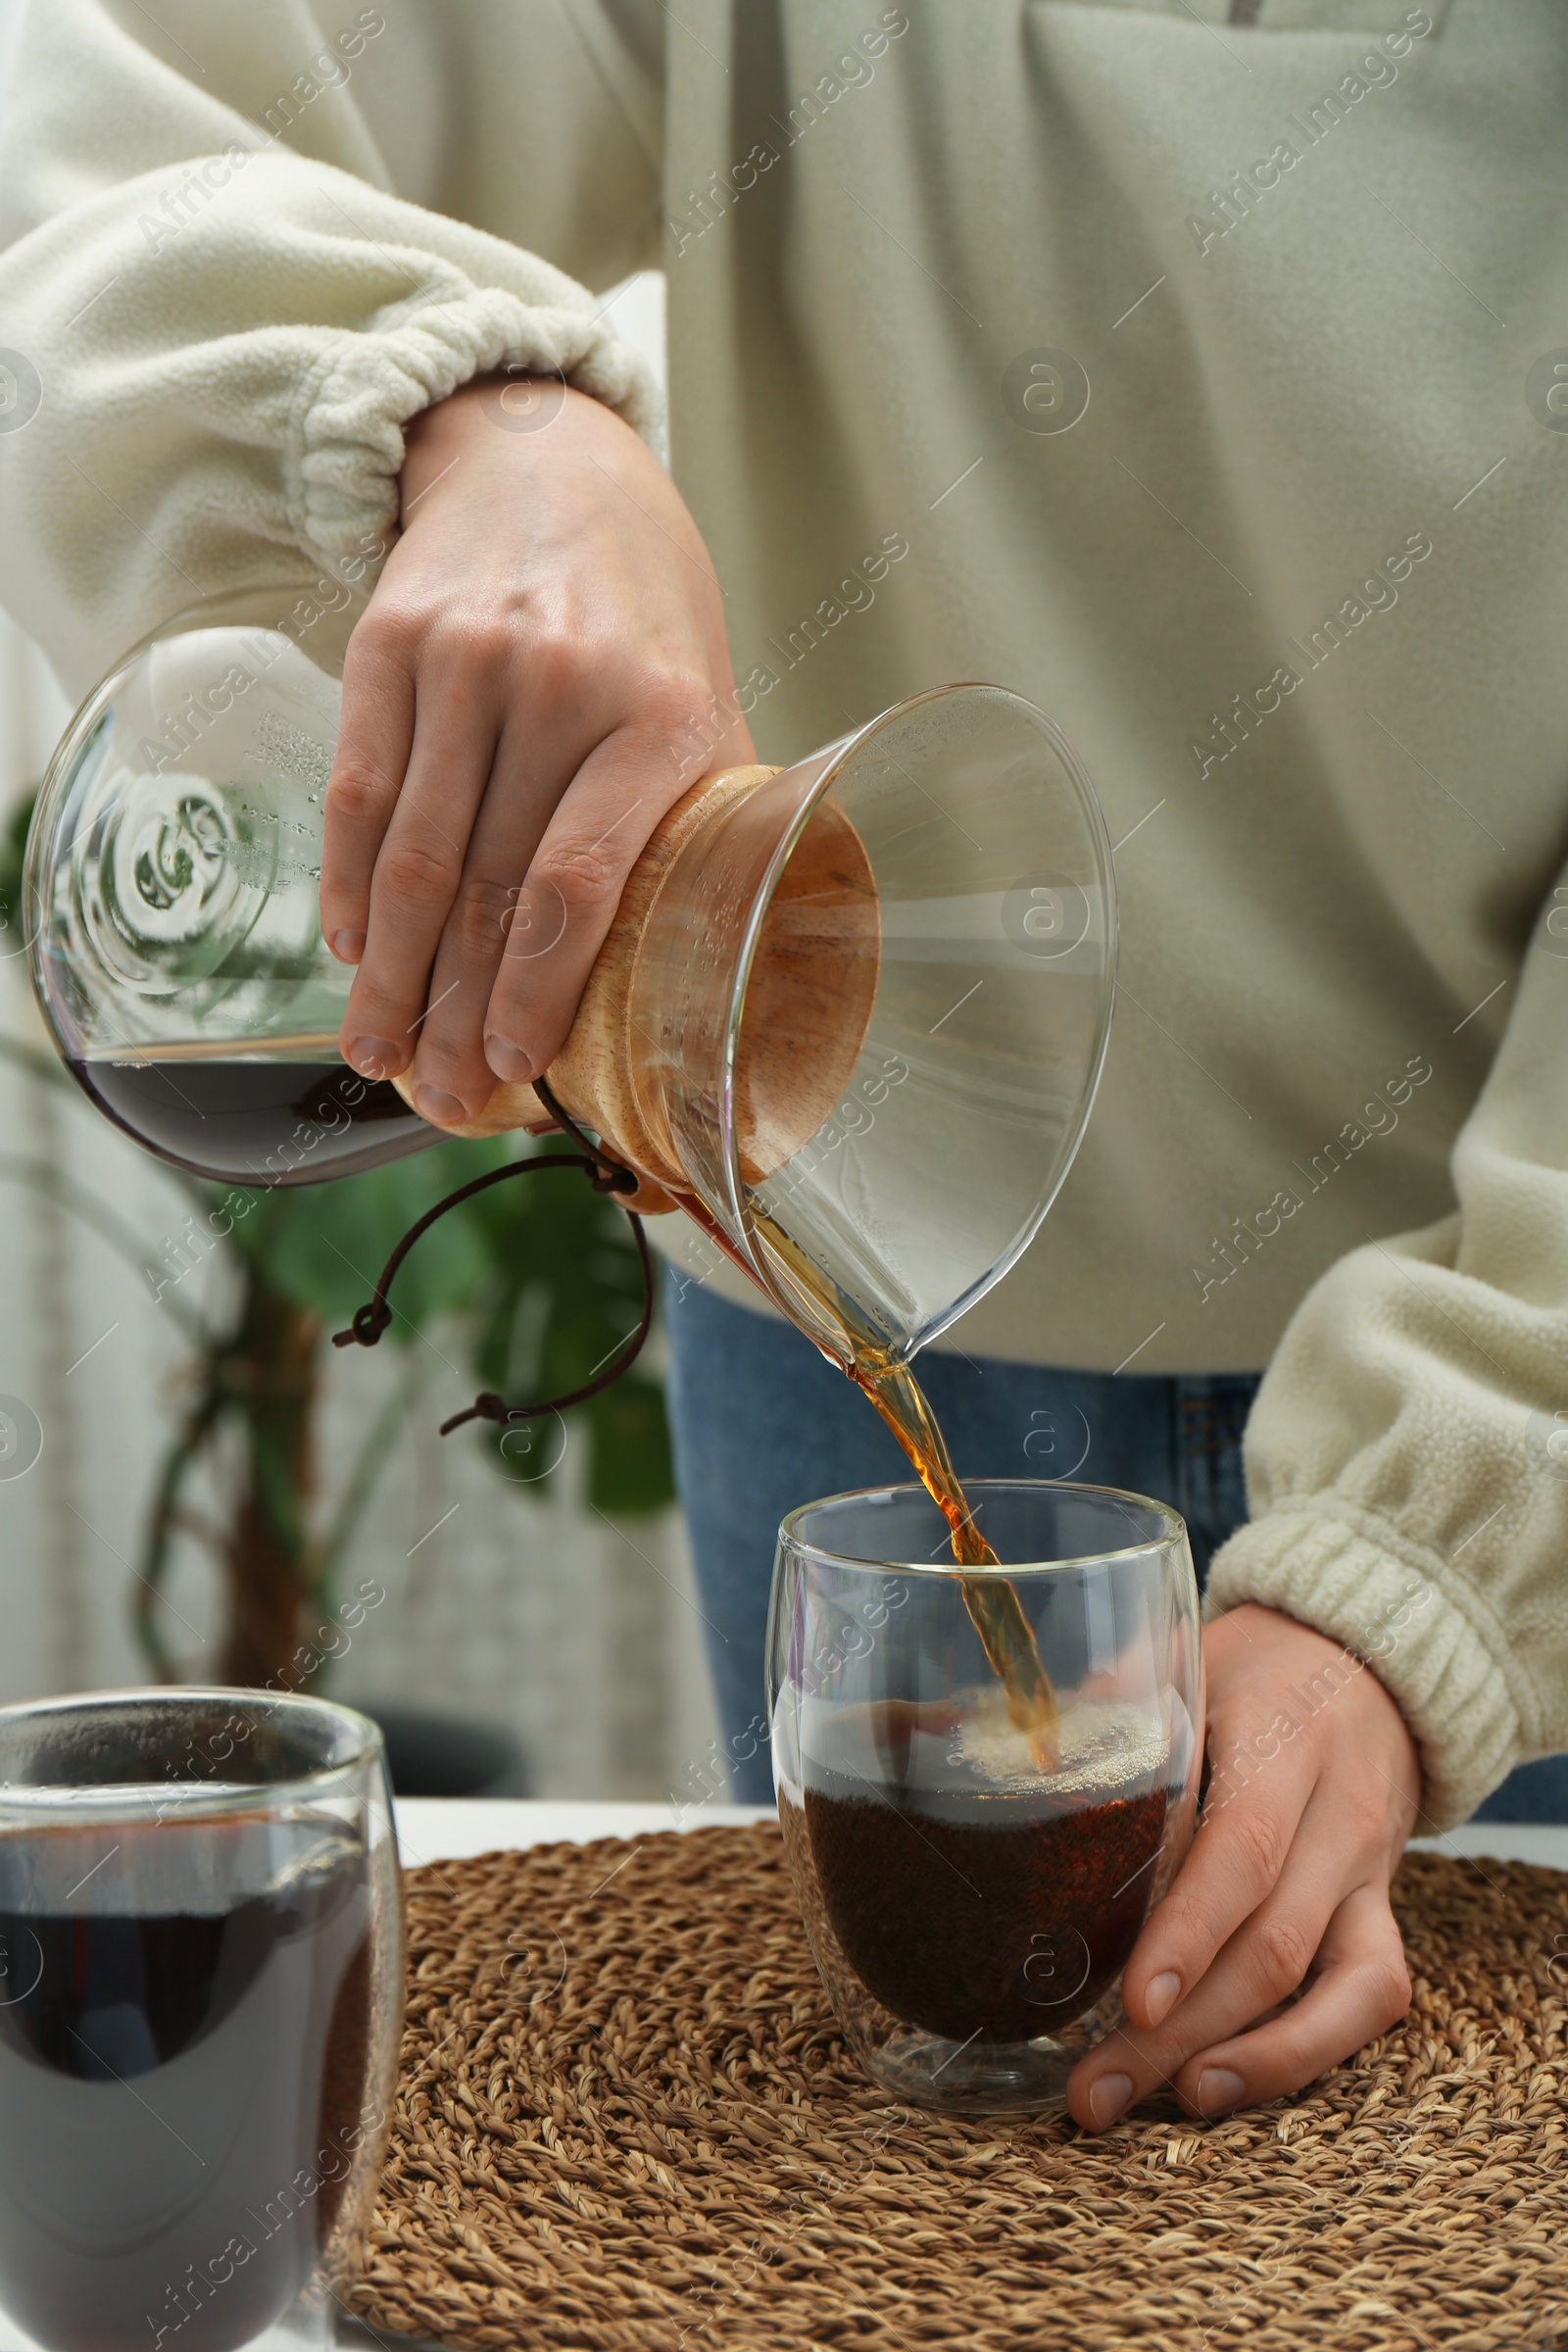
x,y
762,1423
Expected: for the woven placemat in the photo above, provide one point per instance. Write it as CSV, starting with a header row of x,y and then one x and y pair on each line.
x,y
626,2120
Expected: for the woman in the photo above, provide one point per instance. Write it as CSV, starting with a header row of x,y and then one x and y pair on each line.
x,y
1191,372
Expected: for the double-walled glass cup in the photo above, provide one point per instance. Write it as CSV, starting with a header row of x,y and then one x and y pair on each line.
x,y
972,1907
200,2000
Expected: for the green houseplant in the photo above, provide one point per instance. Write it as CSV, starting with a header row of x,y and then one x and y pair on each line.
x,y
534,1286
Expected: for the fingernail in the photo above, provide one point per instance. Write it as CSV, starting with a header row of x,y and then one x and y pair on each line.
x,y
1109,2097
1161,1998
373,1057
347,946
1218,2088
507,1060
442,1110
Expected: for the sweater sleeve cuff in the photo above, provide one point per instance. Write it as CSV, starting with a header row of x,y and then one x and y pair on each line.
x,y
348,446
1395,1608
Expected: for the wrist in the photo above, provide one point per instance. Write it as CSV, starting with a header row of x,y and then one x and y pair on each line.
x,y
1275,1680
436,438
506,408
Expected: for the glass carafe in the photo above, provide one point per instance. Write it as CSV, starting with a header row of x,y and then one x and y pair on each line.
x,y
852,1013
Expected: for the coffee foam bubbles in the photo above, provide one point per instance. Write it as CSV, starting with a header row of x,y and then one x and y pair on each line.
x,y
1109,1747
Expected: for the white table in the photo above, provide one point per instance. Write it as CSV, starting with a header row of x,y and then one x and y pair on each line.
x,y
447,1828
435,1828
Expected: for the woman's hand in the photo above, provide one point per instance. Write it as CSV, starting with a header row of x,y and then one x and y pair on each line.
x,y
1314,1788
541,671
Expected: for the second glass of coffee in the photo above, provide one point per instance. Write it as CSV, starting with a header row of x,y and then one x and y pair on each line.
x,y
200,1995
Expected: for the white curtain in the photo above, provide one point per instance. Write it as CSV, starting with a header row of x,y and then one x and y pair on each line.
x,y
503,1603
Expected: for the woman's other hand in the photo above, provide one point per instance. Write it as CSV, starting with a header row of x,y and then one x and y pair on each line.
x,y
1314,1788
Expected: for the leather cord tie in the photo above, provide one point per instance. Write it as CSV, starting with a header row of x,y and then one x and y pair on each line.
x,y
606,1174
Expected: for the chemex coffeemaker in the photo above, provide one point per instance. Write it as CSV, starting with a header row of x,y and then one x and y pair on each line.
x,y
850,1015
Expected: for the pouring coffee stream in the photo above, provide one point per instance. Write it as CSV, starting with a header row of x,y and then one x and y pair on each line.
x,y
998,1614
995,1609
850,1017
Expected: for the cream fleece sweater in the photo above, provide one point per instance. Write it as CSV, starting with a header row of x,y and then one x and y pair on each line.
x,y
1204,378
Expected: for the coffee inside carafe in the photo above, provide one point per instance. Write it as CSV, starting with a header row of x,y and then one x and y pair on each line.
x,y
296,1116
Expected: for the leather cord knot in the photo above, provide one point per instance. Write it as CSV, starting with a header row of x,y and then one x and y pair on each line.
x,y
614,1180
486,1406
609,1174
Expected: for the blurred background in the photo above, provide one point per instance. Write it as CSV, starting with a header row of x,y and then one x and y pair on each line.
x,y
193,1482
